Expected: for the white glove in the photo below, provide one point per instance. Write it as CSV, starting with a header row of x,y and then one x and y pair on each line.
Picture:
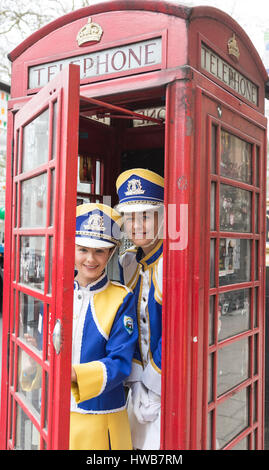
x,y
151,409
139,396
146,404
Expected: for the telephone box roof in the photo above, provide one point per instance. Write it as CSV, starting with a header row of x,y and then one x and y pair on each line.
x,y
168,7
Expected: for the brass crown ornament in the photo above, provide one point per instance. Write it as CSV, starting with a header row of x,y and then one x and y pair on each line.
x,y
233,48
90,33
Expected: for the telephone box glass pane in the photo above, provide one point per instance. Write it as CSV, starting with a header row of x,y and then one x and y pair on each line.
x,y
233,365
235,209
31,320
52,198
234,261
232,418
32,261
34,201
36,142
235,158
54,129
213,207
27,436
234,309
29,380
212,302
212,262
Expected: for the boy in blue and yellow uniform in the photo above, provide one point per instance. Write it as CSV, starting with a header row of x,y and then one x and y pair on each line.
x,y
141,194
104,336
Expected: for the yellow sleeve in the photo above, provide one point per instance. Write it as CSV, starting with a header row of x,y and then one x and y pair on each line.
x,y
91,380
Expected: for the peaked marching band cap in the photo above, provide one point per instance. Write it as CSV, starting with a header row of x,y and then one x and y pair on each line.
x,y
97,226
139,190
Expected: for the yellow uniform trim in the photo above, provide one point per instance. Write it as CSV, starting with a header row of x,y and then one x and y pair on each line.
x,y
106,306
157,293
155,367
100,432
143,173
112,213
91,379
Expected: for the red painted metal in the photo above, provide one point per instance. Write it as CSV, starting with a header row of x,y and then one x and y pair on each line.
x,y
52,425
129,113
192,98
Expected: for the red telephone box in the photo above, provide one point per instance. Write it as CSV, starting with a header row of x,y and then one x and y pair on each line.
x,y
180,91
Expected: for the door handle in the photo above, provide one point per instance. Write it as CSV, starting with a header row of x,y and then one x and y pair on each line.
x,y
57,336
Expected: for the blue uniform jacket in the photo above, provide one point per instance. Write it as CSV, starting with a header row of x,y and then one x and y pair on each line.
x,y
144,276
104,337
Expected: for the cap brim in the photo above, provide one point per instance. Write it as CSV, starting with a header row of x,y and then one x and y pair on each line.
x,y
124,208
93,243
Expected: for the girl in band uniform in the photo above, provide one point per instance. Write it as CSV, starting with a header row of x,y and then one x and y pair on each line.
x,y
104,336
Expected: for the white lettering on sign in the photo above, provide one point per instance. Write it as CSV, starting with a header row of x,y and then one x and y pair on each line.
x,y
156,112
140,55
220,69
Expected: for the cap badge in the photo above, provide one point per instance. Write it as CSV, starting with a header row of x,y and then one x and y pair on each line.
x,y
90,33
95,223
134,187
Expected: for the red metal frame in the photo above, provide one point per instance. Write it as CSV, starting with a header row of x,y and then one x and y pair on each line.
x,y
254,430
192,99
53,426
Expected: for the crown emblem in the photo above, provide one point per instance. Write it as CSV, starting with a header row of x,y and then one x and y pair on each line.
x,y
134,187
95,223
233,48
90,33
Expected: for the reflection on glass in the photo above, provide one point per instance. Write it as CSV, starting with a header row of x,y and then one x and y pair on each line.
x,y
32,261
235,158
256,307
35,142
31,320
34,201
16,162
257,166
16,207
209,430
98,177
257,208
210,378
46,401
27,436
29,379
213,148
15,257
50,264
234,261
212,262
232,418
235,209
211,320
213,207
233,365
52,198
256,260
54,129
234,308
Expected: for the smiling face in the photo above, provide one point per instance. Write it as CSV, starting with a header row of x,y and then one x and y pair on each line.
x,y
90,263
142,227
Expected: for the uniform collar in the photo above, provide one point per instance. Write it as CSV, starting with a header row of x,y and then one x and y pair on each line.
x,y
151,257
93,286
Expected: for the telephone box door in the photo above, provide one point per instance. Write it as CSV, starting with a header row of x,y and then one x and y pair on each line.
x,y
39,271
